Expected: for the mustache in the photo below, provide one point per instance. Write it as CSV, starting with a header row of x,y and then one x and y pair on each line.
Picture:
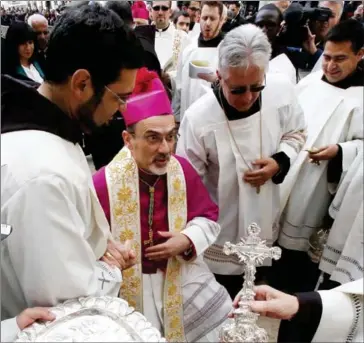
x,y
162,157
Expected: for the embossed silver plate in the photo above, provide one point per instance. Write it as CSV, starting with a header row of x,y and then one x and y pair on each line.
x,y
103,319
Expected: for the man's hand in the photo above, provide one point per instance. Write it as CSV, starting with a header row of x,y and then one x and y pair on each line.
x,y
272,303
118,255
268,168
30,315
309,45
324,154
212,77
176,244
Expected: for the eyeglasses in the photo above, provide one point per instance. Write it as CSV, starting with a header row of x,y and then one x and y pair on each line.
x,y
157,139
158,8
244,89
122,102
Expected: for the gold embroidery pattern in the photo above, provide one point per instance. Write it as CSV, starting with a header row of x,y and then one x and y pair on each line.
x,y
177,218
123,183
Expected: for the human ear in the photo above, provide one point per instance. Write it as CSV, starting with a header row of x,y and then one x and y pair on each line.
x,y
81,85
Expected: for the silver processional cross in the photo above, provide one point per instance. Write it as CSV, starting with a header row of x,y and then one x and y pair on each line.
x,y
251,251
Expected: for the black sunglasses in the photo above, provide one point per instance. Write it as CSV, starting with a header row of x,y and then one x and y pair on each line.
x,y
158,8
244,89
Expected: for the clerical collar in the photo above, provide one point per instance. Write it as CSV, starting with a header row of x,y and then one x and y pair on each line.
x,y
212,43
192,25
356,79
162,30
231,112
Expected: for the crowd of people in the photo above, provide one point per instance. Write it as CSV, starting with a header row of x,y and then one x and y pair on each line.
x,y
199,124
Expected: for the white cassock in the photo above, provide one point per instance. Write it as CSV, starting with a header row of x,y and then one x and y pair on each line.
x,y
59,228
169,44
343,254
282,65
342,314
9,330
195,32
188,90
206,141
334,116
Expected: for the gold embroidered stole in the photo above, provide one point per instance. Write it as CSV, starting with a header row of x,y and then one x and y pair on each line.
x,y
122,178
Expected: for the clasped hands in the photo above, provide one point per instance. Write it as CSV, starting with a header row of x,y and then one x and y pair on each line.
x,y
268,167
122,256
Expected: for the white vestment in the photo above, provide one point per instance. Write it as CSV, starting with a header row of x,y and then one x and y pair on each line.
x,y
343,254
333,116
59,228
169,43
189,90
283,66
206,141
9,330
342,314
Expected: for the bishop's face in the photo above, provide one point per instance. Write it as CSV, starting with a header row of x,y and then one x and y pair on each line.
x,y
152,143
340,61
242,86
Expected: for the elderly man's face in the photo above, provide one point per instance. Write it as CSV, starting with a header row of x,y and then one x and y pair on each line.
x,y
161,14
42,31
242,86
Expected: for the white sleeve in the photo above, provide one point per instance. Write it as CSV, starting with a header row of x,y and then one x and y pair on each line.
x,y
294,129
338,313
9,330
202,232
191,147
51,256
354,139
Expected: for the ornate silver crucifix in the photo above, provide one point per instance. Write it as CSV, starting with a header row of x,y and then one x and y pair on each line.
x,y
251,251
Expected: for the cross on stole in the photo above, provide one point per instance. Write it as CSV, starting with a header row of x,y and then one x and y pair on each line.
x,y
251,251
103,280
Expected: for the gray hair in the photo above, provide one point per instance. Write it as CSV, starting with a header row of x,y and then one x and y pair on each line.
x,y
36,18
339,2
245,46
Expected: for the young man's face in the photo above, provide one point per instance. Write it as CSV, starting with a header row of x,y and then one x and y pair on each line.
x,y
235,9
340,60
183,23
210,22
161,13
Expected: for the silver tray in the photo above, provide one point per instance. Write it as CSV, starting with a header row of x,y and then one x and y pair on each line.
x,y
103,319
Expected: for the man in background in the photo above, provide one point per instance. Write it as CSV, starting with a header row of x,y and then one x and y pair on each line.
x,y
40,25
182,21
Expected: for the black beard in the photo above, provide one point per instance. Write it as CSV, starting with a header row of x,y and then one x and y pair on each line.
x,y
85,113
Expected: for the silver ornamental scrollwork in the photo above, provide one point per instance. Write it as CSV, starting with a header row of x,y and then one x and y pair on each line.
x,y
93,319
251,252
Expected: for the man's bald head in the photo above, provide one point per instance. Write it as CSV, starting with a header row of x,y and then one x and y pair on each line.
x,y
40,25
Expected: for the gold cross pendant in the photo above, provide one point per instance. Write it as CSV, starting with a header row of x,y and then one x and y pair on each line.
x,y
149,242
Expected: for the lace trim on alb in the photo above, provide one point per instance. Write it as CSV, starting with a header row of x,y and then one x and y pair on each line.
x,y
358,310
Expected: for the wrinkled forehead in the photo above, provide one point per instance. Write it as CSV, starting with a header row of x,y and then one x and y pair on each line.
x,y
40,25
159,124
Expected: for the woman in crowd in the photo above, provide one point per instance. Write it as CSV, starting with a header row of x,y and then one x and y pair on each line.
x,y
19,53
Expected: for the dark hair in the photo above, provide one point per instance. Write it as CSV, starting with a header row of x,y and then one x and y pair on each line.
x,y
236,3
93,38
272,7
179,14
349,30
18,33
217,4
122,9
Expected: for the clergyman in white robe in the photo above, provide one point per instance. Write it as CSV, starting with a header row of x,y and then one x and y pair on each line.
x,y
343,254
206,142
334,116
59,229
